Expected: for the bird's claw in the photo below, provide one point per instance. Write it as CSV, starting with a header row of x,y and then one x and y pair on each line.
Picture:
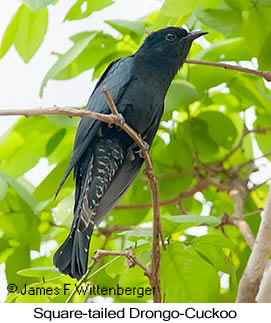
x,y
121,119
118,120
143,149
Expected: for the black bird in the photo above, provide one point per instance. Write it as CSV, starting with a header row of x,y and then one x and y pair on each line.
x,y
105,159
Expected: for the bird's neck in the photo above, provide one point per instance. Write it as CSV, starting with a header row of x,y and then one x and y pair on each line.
x,y
159,72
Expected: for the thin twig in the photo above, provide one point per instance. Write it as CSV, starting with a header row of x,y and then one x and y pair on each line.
x,y
110,101
252,160
256,186
189,171
265,74
73,112
127,253
199,186
253,213
238,145
244,134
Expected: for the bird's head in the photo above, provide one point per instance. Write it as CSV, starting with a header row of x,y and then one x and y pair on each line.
x,y
168,46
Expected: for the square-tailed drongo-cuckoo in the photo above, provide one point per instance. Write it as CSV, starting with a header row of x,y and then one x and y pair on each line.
x,y
105,159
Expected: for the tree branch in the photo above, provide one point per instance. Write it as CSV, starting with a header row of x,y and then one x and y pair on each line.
x,y
253,274
265,74
238,195
73,112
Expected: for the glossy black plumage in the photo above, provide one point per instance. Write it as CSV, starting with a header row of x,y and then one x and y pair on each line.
x,y
105,159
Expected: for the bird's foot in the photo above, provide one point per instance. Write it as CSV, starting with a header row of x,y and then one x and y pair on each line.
x,y
143,149
121,119
118,120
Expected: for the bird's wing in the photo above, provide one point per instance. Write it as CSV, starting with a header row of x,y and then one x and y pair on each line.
x,y
126,173
119,186
116,78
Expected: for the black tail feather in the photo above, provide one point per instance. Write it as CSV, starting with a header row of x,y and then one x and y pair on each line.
x,y
72,256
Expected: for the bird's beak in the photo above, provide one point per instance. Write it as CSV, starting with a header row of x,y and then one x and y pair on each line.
x,y
195,34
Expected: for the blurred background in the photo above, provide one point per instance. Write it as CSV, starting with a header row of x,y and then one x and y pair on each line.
x,y
216,127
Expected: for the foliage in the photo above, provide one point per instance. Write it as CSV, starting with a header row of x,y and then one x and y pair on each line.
x,y
199,138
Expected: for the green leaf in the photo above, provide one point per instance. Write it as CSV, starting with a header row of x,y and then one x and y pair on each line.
x,y
135,235
64,210
197,219
9,144
256,28
233,49
19,259
10,34
23,147
180,93
3,188
40,272
211,247
210,3
229,101
32,298
265,54
135,28
263,3
177,7
98,48
263,140
54,141
186,277
220,128
177,223
84,8
67,58
227,22
31,29
217,240
248,89
19,189
205,77
238,4
36,5
63,121
63,148
177,154
14,227
194,132
42,193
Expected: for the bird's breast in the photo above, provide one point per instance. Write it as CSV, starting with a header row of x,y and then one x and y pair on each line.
x,y
141,104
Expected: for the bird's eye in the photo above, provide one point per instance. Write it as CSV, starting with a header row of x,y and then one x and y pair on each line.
x,y
170,37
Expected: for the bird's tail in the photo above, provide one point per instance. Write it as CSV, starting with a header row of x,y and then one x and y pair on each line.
x,y
72,256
